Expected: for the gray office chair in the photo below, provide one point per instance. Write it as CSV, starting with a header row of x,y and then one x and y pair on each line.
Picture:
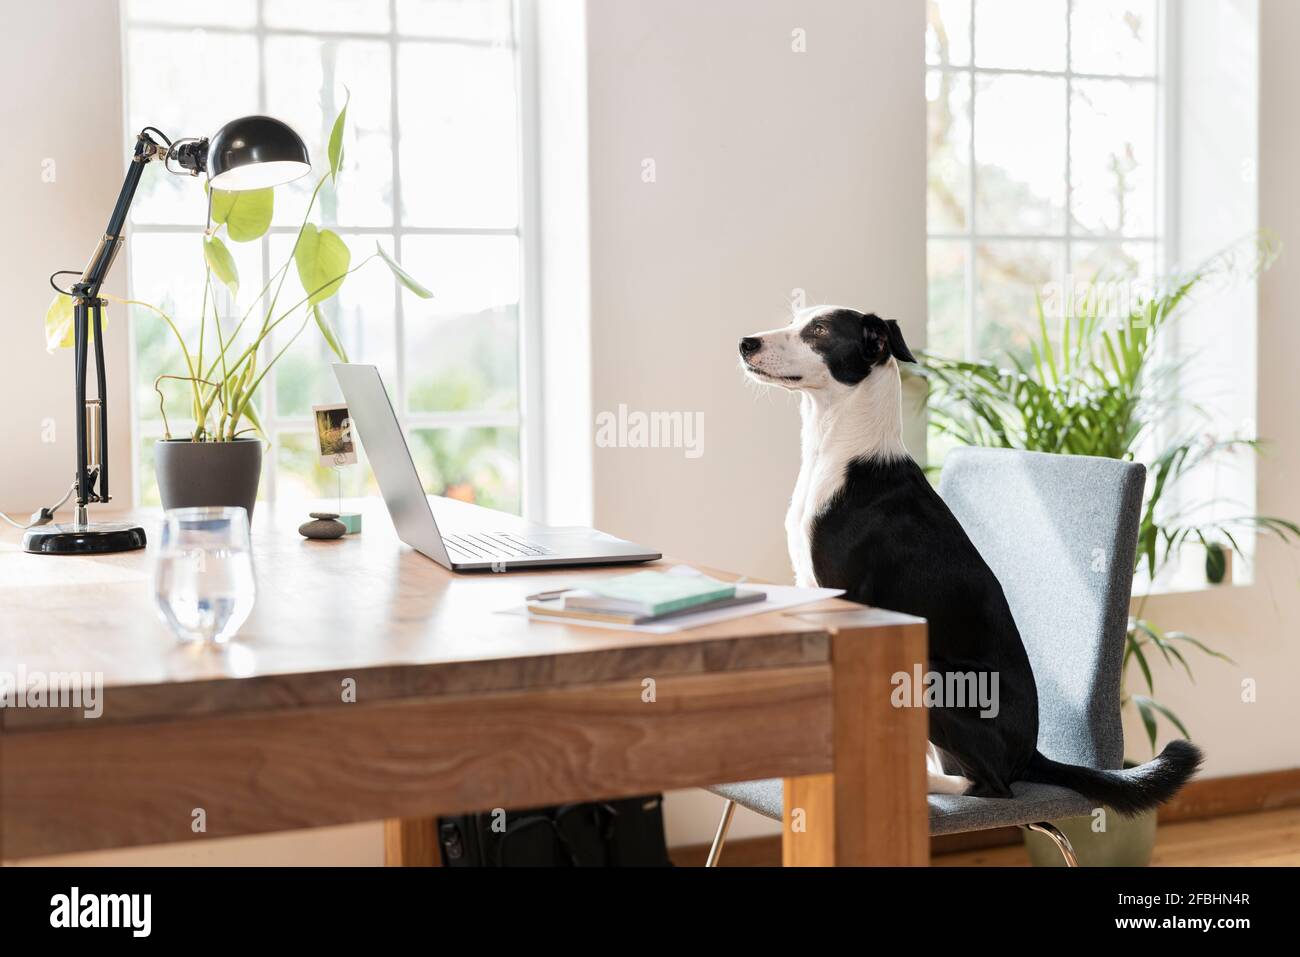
x,y
1060,533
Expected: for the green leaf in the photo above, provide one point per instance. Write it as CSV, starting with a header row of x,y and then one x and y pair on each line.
x,y
1156,705
404,277
251,415
336,137
1179,636
322,259
1135,647
221,263
1148,718
331,340
60,332
246,214
58,323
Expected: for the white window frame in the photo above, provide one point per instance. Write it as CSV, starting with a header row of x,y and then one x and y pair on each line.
x,y
526,417
1163,243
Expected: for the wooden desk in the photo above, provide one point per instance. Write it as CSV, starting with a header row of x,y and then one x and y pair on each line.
x,y
456,707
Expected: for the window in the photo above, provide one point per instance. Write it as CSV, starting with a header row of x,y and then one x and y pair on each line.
x,y
1045,151
432,171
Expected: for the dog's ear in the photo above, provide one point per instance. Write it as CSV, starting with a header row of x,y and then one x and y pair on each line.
x,y
896,344
883,338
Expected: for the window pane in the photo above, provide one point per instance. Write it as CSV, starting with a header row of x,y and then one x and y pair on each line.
x,y
948,201
1110,278
1010,279
170,78
947,32
323,16
167,272
1113,36
470,19
227,13
361,315
1105,261
459,145
1020,154
946,282
305,80
479,465
1020,34
148,477
1113,157
463,345
300,475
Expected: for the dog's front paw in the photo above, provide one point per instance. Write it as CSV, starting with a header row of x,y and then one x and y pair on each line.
x,y
946,783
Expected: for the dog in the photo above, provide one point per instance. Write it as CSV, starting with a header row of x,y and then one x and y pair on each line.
x,y
863,517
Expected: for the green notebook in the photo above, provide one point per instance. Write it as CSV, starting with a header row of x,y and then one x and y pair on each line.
x,y
649,593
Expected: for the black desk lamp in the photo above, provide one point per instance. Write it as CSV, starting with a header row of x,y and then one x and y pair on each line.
x,y
252,152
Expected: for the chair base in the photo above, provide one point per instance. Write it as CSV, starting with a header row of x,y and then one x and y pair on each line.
x,y
1060,840
1042,827
720,837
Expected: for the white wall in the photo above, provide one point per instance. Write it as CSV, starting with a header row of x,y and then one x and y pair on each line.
x,y
774,171
62,109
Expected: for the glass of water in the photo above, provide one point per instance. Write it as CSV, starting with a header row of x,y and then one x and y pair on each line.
x,y
203,573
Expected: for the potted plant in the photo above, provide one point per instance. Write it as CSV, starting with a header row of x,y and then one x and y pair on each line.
x,y
1099,387
218,460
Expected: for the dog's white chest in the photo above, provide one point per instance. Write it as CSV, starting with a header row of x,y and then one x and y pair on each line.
x,y
819,479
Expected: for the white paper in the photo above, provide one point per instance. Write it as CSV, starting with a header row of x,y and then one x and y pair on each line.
x,y
779,598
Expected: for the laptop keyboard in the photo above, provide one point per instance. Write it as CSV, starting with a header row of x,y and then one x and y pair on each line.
x,y
487,546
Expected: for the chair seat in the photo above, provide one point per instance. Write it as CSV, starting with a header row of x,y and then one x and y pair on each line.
x,y
949,813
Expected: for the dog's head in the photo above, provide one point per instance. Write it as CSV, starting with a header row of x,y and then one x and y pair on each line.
x,y
823,345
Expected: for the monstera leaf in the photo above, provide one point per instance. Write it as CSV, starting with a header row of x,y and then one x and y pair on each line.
x,y
58,323
246,214
321,256
336,138
221,263
404,277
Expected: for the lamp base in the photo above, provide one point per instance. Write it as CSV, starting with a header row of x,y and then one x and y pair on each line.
x,y
93,538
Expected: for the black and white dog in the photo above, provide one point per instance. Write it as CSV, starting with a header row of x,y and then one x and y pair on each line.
x,y
864,518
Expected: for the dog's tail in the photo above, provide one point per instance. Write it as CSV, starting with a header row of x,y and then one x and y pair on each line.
x,y
1130,791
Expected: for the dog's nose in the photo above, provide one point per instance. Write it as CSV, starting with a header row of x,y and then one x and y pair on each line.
x,y
749,345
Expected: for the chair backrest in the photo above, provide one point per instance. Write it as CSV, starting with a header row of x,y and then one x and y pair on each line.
x,y
1060,533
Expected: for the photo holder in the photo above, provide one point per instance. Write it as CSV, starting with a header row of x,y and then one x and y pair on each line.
x,y
337,446
334,435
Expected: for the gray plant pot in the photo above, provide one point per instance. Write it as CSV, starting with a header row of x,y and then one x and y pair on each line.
x,y
1126,842
196,474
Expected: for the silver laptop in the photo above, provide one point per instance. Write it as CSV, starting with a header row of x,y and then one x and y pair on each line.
x,y
467,548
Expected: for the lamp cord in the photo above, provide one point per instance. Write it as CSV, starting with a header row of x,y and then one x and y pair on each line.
x,y
42,516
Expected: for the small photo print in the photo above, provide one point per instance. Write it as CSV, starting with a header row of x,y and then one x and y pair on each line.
x,y
334,435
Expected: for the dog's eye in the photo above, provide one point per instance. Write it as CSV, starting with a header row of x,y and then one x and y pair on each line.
x,y
820,329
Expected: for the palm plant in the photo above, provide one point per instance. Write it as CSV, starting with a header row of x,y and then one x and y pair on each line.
x,y
1100,386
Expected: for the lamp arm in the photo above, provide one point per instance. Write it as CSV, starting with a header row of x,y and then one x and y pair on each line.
x,y
87,323
101,261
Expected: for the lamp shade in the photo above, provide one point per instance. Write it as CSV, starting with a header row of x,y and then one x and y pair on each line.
x,y
254,152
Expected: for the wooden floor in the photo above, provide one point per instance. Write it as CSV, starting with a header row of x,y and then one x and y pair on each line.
x,y
1269,838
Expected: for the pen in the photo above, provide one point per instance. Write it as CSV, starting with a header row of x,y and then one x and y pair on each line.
x,y
545,595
